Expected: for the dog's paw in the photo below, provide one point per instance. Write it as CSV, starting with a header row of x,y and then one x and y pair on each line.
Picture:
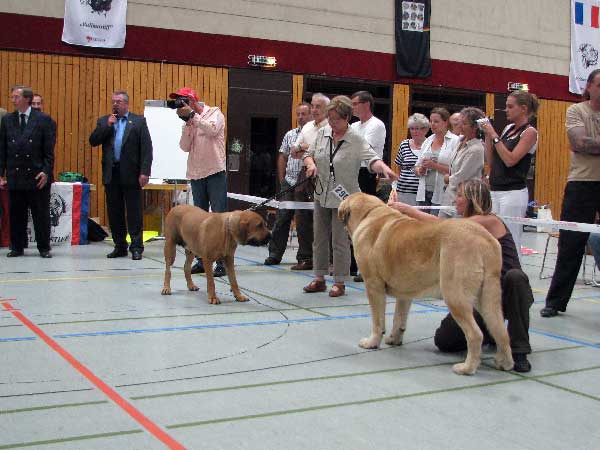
x,y
463,369
393,340
166,291
241,298
369,343
214,301
193,287
503,363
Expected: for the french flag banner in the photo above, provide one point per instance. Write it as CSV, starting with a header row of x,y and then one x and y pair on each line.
x,y
585,42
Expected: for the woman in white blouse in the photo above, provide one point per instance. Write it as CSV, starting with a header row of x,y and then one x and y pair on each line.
x,y
433,162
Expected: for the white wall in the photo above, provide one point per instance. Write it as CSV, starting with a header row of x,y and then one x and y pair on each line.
x,y
530,35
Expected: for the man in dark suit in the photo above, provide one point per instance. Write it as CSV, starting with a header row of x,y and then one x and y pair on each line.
x,y
126,163
27,139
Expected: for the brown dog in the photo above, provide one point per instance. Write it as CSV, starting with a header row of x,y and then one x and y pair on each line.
x,y
457,259
211,236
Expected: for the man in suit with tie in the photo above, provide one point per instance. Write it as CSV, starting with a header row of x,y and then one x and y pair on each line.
x,y
126,163
27,139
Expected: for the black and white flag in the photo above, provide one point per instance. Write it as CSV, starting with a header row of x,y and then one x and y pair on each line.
x,y
413,59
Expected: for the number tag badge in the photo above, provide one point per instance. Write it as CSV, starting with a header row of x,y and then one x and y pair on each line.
x,y
340,192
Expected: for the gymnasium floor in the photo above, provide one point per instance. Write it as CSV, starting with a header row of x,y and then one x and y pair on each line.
x,y
93,357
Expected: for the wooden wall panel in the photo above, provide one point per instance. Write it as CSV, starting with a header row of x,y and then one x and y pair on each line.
x,y
77,90
553,154
298,96
400,107
489,104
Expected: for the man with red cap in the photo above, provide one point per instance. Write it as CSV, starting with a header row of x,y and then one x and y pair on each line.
x,y
203,138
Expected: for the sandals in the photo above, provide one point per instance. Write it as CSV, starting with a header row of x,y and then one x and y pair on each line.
x,y
337,290
315,286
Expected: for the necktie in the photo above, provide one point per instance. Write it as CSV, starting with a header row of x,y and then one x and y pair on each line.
x,y
22,123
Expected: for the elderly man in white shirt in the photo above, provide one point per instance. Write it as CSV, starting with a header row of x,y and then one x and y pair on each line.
x,y
309,131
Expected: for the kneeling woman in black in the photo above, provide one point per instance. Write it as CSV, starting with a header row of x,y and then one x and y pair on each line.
x,y
473,201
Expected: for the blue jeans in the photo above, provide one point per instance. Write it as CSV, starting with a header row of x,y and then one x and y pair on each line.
x,y
211,191
594,243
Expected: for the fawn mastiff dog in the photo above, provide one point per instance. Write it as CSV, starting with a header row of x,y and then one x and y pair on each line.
x,y
211,236
456,258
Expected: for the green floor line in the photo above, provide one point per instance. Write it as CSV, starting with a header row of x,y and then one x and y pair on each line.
x,y
339,405
562,388
283,382
42,408
70,439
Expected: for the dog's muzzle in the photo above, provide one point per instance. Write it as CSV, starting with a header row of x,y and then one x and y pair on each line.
x,y
256,243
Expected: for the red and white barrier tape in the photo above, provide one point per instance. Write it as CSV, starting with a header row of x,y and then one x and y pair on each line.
x,y
553,224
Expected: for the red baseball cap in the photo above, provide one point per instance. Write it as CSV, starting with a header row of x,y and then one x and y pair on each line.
x,y
185,92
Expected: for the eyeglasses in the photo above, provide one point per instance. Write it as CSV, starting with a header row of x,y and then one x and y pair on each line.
x,y
417,128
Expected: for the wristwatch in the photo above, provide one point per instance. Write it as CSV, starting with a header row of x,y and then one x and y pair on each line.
x,y
495,140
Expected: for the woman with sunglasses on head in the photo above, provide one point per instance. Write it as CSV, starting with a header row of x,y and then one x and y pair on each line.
x,y
407,156
509,156
473,201
433,162
466,162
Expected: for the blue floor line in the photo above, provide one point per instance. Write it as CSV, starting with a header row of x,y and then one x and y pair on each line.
x,y
209,326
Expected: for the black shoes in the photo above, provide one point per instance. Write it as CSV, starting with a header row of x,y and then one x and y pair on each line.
x,y
14,253
136,255
270,261
358,278
198,267
117,253
45,254
521,363
548,311
219,270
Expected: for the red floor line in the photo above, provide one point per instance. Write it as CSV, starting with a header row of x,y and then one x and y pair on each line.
x,y
154,429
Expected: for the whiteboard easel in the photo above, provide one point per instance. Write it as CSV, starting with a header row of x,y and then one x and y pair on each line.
x,y
169,162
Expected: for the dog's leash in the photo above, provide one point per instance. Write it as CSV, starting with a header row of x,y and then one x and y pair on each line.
x,y
285,191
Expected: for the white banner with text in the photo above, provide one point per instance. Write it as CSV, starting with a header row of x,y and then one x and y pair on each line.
x,y
95,23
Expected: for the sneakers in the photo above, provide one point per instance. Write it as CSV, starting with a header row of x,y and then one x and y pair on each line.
x,y
521,363
198,267
219,270
548,311
270,261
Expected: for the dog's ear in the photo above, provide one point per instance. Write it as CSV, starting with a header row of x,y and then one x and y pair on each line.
x,y
344,213
243,226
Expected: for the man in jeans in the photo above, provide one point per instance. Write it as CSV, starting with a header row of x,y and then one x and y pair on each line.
x,y
203,137
288,170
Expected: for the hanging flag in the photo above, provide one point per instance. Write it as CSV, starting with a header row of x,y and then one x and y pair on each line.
x,y
585,42
95,23
412,38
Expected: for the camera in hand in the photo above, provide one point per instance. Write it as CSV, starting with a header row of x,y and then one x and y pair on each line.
x,y
179,102
481,122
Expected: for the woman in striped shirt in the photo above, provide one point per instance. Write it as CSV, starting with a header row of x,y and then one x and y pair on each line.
x,y
407,156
